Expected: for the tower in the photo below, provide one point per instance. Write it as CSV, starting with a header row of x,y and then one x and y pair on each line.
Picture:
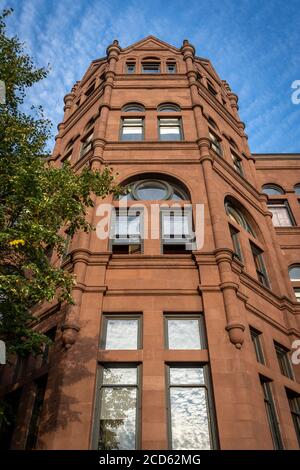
x,y
170,344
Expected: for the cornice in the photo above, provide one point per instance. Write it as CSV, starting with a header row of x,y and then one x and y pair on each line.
x,y
145,292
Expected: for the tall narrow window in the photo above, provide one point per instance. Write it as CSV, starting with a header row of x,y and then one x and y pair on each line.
x,y
171,67
130,67
90,89
215,143
282,216
271,414
284,361
132,129
294,402
237,164
177,230
234,233
260,265
211,89
86,143
185,332
118,421
190,408
126,231
40,389
121,332
255,337
48,346
170,129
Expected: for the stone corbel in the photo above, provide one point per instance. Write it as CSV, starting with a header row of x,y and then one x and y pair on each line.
x,y
69,334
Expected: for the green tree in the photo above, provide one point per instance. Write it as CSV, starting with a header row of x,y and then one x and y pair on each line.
x,y
37,201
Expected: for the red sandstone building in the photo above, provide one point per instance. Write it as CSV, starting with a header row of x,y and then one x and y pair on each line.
x,y
170,345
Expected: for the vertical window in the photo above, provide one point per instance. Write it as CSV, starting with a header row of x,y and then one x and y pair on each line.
x,y
190,408
271,414
170,129
86,143
176,230
47,348
132,129
121,332
234,233
215,143
282,216
126,231
40,389
237,164
171,67
255,337
284,361
118,400
294,402
294,274
259,265
130,67
185,332
151,67
90,89
211,89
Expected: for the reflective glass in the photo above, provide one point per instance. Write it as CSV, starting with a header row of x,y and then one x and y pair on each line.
x,y
183,334
121,334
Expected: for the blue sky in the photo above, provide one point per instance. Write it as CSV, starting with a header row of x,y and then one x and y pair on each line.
x,y
254,45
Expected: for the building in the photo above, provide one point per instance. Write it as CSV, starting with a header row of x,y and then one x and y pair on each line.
x,y
170,345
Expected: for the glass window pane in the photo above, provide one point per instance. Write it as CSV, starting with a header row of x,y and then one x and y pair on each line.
x,y
122,334
186,375
120,375
184,334
189,419
294,273
151,190
280,217
118,418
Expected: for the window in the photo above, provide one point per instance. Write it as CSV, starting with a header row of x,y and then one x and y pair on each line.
x,y
232,143
151,67
121,332
48,346
154,189
185,332
176,230
294,402
260,265
40,389
272,190
212,123
168,108
211,89
255,337
215,143
271,413
297,294
237,164
282,216
132,129
234,233
133,108
171,67
170,129
190,408
236,216
68,151
118,400
294,272
126,231
284,362
297,189
130,67
90,89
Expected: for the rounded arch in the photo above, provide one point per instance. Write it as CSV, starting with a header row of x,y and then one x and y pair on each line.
x,y
151,58
272,189
164,186
294,272
133,107
237,212
168,107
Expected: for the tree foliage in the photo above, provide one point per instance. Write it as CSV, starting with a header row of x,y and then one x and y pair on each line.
x,y
39,204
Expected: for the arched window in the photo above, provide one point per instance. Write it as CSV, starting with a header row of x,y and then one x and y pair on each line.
x,y
212,123
151,65
86,142
130,66
154,188
236,215
211,88
272,189
168,108
68,151
297,189
171,66
215,140
133,107
294,274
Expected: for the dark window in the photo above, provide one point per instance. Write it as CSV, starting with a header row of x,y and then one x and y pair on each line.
x,y
190,408
177,230
170,129
48,346
215,143
132,129
130,67
185,332
121,332
171,67
126,231
282,216
271,414
86,143
168,108
237,164
40,389
234,233
211,89
272,190
10,405
260,265
283,357
117,428
255,337
133,107
150,67
294,402
90,89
